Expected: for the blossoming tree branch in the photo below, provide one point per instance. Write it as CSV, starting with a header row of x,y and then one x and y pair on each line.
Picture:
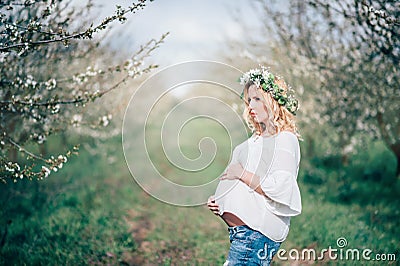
x,y
41,42
348,57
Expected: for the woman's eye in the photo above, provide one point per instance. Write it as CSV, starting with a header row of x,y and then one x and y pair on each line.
x,y
257,99
248,99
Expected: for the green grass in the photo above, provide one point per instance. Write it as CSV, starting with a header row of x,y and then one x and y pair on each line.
x,y
75,216
92,212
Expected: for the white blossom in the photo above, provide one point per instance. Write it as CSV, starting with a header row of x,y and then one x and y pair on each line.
x,y
76,120
131,73
55,109
61,157
50,84
8,168
105,120
41,139
46,171
91,72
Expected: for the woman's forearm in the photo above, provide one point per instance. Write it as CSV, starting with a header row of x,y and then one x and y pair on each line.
x,y
253,181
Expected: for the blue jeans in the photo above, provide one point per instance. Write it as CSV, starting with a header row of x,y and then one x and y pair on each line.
x,y
250,247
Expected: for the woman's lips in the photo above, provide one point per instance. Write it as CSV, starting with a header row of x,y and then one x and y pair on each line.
x,y
252,113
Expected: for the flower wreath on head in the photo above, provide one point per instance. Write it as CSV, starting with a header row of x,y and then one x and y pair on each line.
x,y
263,78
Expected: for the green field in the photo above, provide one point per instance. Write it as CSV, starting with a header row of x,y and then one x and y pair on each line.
x,y
93,212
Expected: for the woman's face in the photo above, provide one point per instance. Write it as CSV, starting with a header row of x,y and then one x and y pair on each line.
x,y
256,105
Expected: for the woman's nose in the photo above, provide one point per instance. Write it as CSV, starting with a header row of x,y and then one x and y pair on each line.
x,y
251,109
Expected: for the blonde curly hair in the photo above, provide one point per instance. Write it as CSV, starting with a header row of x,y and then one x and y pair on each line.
x,y
280,119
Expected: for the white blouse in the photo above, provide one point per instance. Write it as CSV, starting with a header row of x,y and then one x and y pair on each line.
x,y
276,161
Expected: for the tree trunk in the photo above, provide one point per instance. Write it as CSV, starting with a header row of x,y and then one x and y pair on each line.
x,y
12,152
396,150
309,146
395,147
43,149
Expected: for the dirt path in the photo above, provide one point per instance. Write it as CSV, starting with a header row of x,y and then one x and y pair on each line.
x,y
139,227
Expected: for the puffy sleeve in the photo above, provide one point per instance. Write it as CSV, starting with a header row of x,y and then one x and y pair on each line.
x,y
280,181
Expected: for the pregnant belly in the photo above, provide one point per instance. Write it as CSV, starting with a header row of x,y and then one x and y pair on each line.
x,y
232,220
229,196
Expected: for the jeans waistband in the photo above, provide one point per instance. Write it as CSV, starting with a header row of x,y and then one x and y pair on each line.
x,y
234,229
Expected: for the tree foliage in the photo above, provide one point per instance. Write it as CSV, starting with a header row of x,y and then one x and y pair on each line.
x,y
41,42
352,49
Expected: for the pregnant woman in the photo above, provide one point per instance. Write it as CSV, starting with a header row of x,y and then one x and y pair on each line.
x,y
258,192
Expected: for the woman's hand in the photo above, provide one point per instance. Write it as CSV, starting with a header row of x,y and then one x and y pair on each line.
x,y
212,205
234,171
